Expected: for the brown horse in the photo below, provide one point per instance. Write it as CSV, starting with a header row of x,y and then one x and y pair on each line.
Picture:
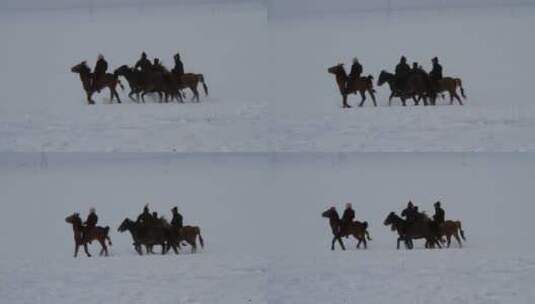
x,y
191,81
359,230
361,85
452,228
82,237
189,234
421,229
450,85
108,81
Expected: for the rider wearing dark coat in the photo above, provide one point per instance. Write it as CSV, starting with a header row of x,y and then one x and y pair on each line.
x,y
403,71
347,218
100,70
92,219
145,217
179,66
157,66
436,71
177,219
356,71
410,213
440,215
143,63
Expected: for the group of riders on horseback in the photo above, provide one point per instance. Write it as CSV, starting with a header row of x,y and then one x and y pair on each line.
x,y
412,224
148,230
407,82
145,77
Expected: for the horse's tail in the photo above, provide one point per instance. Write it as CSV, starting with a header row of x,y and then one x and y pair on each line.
x,y
107,234
205,87
459,82
365,225
200,237
461,230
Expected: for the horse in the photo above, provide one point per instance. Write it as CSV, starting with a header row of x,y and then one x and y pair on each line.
x,y
135,80
452,228
82,237
421,229
188,234
359,230
418,87
109,81
148,235
450,85
361,85
191,81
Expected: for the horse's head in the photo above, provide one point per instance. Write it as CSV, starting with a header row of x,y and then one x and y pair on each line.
x,y
337,69
329,213
127,224
390,219
123,70
81,68
74,219
383,77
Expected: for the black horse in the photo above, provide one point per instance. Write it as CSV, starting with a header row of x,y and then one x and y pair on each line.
x,y
421,229
149,235
418,87
359,230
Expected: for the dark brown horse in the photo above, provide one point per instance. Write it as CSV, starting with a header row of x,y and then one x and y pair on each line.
x,y
361,85
191,81
82,236
109,81
359,230
452,228
189,234
450,85
149,235
418,87
421,229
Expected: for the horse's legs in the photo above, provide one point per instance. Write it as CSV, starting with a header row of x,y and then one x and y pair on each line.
x,y
195,94
86,250
76,246
456,235
114,92
89,100
104,247
332,243
403,102
458,98
345,105
390,99
341,243
399,240
363,98
373,97
416,100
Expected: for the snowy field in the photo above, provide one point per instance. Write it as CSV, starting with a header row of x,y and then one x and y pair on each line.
x,y
266,71
265,239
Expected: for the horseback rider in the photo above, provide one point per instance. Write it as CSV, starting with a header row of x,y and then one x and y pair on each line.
x,y
143,63
145,217
101,68
440,215
176,221
410,213
91,222
436,72
403,71
354,74
157,66
178,70
347,219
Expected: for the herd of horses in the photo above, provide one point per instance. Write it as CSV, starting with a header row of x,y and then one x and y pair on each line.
x,y
147,235
161,233
419,87
422,228
164,83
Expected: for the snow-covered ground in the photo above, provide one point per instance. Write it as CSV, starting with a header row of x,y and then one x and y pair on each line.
x,y
265,239
267,77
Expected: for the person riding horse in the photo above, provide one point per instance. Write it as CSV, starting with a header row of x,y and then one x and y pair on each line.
x,y
436,73
410,213
178,70
90,223
100,70
143,63
403,71
440,215
347,219
157,66
145,217
177,220
354,74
